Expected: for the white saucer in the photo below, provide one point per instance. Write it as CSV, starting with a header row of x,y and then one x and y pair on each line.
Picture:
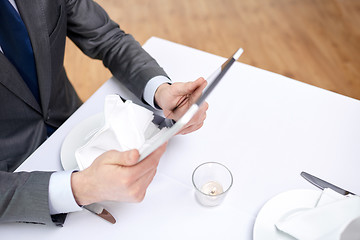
x,y
77,137
275,208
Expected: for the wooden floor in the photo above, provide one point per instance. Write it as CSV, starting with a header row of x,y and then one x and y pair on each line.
x,y
313,41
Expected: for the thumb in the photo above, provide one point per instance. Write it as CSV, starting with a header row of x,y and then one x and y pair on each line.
x,y
190,87
127,158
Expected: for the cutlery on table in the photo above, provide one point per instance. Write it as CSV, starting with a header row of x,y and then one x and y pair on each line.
x,y
100,211
323,184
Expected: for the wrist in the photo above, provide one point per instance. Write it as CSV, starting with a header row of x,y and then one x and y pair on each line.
x,y
81,192
160,91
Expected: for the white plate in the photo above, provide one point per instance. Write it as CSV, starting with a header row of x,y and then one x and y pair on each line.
x,y
77,137
275,208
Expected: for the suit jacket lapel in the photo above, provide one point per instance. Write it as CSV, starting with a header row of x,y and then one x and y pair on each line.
x,y
33,16
11,79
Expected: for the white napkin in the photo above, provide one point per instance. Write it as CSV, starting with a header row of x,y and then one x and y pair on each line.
x,y
127,126
327,220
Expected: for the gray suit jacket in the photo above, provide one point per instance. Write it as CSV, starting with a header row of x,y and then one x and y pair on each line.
x,y
24,196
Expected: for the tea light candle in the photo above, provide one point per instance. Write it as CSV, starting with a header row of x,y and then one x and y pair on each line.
x,y
210,194
212,182
212,188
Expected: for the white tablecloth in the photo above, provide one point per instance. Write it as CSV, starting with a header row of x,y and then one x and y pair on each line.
x,y
266,128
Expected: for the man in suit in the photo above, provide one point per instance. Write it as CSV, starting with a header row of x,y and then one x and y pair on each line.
x,y
36,98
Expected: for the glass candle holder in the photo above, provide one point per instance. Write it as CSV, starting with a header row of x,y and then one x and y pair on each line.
x,y
212,181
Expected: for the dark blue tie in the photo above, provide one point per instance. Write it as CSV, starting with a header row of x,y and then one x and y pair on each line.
x,y
16,45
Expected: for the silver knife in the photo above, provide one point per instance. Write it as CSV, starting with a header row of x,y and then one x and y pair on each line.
x,y
100,211
323,184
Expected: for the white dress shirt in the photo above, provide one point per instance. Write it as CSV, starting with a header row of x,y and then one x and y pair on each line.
x,y
61,198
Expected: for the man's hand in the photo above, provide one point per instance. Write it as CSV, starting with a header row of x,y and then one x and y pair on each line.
x,y
168,97
116,176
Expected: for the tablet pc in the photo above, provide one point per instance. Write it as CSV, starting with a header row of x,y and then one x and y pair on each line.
x,y
213,80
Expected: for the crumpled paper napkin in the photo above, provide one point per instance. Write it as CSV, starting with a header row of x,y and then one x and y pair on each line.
x,y
327,220
126,126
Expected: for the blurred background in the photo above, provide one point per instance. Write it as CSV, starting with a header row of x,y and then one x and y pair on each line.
x,y
313,41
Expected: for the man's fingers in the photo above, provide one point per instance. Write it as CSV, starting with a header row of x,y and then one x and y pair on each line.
x,y
191,129
190,87
197,121
127,158
196,94
129,162
141,175
138,189
184,106
194,125
200,115
149,163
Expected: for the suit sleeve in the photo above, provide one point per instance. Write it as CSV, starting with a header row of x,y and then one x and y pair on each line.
x,y
23,196
91,29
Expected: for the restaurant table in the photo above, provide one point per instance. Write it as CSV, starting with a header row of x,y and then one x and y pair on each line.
x,y
266,128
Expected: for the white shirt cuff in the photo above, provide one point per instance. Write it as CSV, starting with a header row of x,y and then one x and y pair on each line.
x,y
151,87
61,198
